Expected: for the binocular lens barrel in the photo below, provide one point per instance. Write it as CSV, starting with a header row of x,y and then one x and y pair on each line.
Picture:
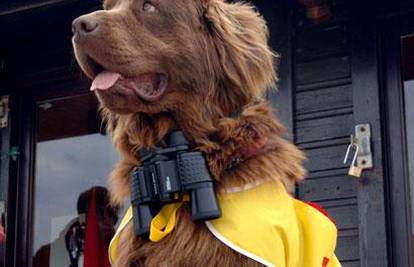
x,y
204,205
140,192
142,218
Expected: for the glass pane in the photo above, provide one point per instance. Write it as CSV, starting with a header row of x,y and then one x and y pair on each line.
x,y
408,82
72,219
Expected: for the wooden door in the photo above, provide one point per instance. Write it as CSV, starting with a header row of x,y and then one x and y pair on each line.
x,y
336,87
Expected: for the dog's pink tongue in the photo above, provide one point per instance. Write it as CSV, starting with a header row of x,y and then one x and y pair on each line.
x,y
105,80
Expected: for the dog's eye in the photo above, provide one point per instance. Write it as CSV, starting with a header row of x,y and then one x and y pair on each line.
x,y
148,7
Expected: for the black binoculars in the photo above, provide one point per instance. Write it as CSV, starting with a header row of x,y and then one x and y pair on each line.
x,y
164,176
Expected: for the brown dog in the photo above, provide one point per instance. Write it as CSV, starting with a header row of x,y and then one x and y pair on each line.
x,y
196,64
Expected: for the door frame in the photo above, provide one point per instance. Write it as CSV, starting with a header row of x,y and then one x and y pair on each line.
x,y
24,130
395,142
6,168
364,40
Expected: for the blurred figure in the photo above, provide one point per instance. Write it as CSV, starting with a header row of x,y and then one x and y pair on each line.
x,y
86,238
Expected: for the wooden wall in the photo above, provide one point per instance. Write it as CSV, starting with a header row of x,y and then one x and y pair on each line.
x,y
323,121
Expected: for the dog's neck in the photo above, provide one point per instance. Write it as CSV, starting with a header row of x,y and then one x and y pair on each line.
x,y
228,141
225,142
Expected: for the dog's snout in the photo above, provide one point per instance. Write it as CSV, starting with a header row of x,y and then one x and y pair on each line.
x,y
84,25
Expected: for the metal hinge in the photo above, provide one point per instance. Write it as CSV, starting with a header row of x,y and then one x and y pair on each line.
x,y
4,111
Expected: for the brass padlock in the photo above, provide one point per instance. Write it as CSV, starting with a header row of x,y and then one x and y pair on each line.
x,y
354,170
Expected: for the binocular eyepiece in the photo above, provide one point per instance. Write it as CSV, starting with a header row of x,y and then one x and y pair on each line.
x,y
164,176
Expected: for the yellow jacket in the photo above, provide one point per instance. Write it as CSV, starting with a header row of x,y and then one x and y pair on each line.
x,y
263,223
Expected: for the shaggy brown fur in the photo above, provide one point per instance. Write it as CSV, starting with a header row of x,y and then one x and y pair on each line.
x,y
219,64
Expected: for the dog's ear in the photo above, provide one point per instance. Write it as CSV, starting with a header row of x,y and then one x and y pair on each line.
x,y
239,34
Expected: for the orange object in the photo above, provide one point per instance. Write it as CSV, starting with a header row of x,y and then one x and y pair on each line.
x,y
317,10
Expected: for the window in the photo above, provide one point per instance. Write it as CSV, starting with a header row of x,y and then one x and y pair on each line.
x,y
73,221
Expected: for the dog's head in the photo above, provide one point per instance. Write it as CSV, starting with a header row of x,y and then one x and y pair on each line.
x,y
152,56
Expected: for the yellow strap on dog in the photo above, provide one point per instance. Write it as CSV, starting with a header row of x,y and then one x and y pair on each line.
x,y
163,223
113,245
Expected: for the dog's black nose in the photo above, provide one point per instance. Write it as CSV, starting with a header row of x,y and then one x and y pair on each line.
x,y
84,24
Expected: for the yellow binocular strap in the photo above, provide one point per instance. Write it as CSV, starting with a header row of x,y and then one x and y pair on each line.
x,y
163,223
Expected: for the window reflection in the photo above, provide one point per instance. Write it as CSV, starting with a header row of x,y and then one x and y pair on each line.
x,y
73,222
409,115
407,60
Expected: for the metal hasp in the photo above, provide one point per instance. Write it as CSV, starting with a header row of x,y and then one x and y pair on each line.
x,y
4,111
363,138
